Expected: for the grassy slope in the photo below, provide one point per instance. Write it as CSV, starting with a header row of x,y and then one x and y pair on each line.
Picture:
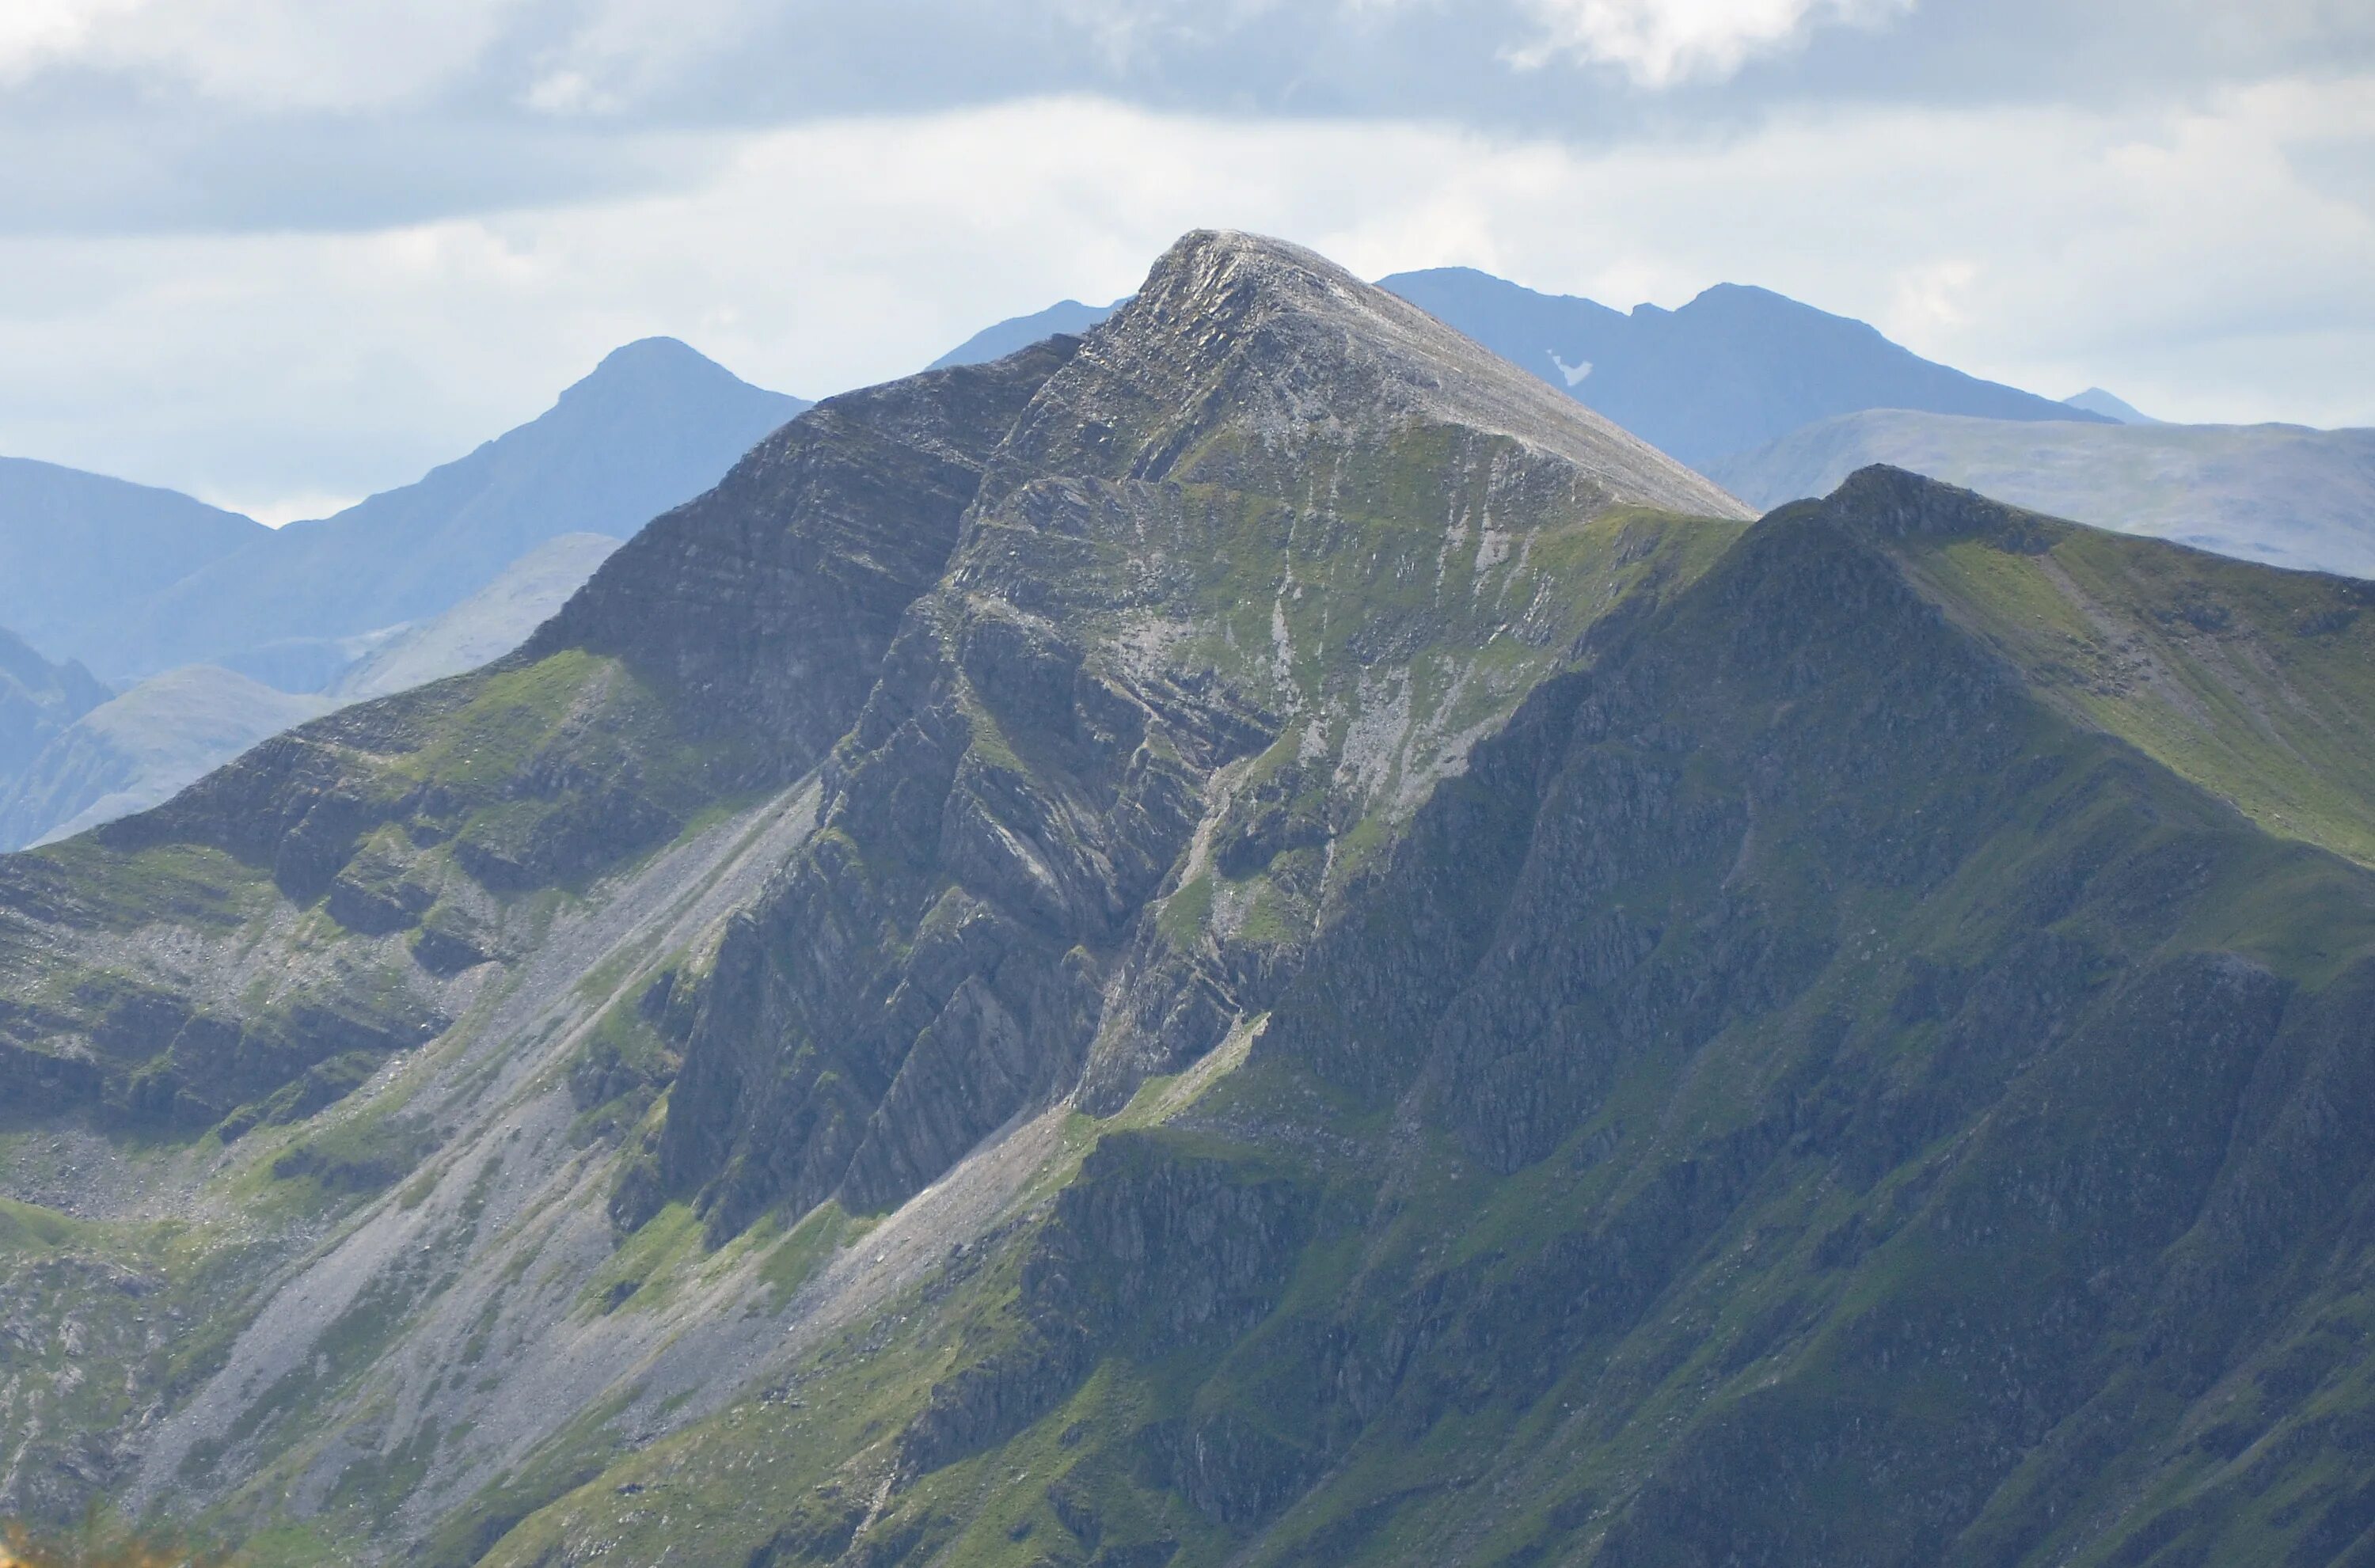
x,y
2274,493
169,925
1766,1308
2257,684
453,810
803,1460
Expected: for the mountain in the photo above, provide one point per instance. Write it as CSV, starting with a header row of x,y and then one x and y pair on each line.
x,y
132,751
2094,400
1066,316
74,547
1262,941
2276,493
38,698
1733,369
1045,602
136,750
654,425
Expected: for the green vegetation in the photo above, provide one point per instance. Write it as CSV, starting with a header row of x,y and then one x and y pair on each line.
x,y
2258,685
1672,1283
1347,1002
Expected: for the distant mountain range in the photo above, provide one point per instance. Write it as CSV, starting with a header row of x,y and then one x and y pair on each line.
x,y
77,550
135,581
139,749
1020,332
2119,410
38,698
1259,940
484,627
221,632
2276,493
1733,369
96,760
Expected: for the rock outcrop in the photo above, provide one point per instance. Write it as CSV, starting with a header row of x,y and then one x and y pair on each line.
x,y
1068,707
1245,939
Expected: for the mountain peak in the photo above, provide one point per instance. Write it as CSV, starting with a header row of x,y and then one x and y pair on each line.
x,y
1304,345
1214,255
2094,400
666,362
648,353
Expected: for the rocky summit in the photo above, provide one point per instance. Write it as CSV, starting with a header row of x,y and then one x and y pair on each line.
x,y
1251,939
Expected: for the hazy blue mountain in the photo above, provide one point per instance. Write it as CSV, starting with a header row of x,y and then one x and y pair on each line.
x,y
2276,493
484,627
1733,369
127,753
139,750
1020,332
654,425
76,547
38,698
1258,945
2094,400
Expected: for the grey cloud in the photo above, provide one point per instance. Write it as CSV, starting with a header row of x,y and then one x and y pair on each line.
x,y
187,167
83,149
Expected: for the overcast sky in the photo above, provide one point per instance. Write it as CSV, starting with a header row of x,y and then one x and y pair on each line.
x,y
283,253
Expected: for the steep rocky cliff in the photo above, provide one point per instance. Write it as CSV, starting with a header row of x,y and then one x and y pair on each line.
x,y
1797,1097
1248,938
1246,576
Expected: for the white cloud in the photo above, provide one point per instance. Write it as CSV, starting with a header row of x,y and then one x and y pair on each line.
x,y
34,32
1661,42
2177,258
350,55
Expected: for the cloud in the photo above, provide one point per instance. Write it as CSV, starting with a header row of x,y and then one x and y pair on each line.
x,y
2177,256
35,33
274,248
354,55
1661,42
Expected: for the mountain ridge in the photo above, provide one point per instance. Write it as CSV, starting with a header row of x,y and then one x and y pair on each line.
x,y
1065,317
73,545
1735,367
1240,940
38,698
2281,494
652,424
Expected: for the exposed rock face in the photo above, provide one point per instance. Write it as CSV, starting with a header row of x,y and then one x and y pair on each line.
x,y
1249,569
767,604
1218,943
1825,1089
1049,726
1149,1250
734,642
1674,869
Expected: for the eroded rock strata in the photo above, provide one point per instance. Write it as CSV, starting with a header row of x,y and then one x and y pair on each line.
x,y
1250,938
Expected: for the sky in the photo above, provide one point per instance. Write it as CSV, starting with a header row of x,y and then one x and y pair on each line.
x,y
280,253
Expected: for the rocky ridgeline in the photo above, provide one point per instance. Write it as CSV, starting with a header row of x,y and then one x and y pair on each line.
x,y
1096,654
1060,715
1253,938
